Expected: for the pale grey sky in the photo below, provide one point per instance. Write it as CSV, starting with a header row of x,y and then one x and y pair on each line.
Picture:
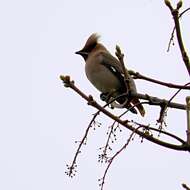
x,y
40,119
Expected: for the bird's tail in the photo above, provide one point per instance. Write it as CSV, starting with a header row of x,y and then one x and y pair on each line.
x,y
135,102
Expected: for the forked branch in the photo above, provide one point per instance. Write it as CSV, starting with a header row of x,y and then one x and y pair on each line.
x,y
176,15
182,147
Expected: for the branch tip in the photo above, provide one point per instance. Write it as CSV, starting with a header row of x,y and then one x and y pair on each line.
x,y
179,4
118,53
167,2
66,80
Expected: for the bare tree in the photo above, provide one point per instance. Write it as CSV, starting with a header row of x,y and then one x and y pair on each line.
x,y
136,128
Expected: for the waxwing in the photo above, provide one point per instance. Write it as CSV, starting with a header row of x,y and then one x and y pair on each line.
x,y
104,71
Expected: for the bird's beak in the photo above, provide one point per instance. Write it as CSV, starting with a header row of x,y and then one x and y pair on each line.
x,y
82,53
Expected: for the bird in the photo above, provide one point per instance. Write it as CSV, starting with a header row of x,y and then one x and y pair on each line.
x,y
104,71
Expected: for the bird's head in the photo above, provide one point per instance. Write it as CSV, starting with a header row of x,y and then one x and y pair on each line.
x,y
90,44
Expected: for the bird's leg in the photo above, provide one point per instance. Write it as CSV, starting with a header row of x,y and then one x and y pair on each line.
x,y
105,96
112,98
108,97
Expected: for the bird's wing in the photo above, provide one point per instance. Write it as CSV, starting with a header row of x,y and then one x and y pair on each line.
x,y
114,66
110,62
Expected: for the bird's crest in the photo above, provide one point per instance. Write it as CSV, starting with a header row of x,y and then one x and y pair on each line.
x,y
91,42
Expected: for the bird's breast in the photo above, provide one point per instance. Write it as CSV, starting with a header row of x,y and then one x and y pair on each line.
x,y
101,77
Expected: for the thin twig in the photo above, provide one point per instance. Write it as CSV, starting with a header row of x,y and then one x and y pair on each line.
x,y
171,39
108,140
72,167
181,14
165,106
137,75
188,119
115,155
159,131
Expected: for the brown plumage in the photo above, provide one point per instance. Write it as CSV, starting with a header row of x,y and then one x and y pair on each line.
x,y
105,73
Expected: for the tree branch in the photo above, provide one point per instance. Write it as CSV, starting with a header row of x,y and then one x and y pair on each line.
x,y
137,75
92,102
185,186
172,34
159,102
175,14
